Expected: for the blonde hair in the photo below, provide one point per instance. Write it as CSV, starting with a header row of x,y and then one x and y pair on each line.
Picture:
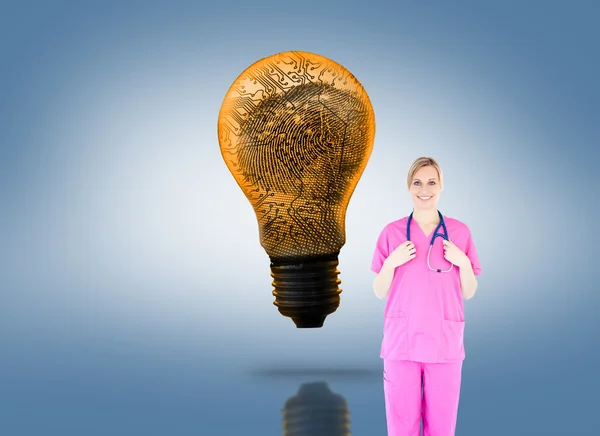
x,y
420,163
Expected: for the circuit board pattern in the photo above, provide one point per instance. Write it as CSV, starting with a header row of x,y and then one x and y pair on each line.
x,y
296,131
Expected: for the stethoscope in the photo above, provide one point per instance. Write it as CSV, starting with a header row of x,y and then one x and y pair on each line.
x,y
435,235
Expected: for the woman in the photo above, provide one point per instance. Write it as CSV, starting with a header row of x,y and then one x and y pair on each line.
x,y
422,345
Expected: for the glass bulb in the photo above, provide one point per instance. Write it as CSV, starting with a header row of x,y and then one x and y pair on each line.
x,y
296,131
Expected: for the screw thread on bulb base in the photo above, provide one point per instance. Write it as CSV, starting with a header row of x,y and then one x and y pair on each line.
x,y
315,410
307,291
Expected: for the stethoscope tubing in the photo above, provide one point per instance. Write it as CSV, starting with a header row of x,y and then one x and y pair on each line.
x,y
435,235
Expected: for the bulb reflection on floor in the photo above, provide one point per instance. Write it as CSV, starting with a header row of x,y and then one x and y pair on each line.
x,y
316,411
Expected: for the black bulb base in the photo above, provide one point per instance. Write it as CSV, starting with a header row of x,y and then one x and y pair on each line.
x,y
316,410
307,291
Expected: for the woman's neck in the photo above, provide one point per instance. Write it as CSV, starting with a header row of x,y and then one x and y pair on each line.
x,y
426,216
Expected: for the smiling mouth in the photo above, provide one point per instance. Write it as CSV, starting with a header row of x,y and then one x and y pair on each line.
x,y
424,198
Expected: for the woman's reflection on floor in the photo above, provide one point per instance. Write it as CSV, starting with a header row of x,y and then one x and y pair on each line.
x,y
316,411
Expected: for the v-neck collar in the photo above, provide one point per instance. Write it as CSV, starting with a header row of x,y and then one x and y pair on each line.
x,y
423,232
427,237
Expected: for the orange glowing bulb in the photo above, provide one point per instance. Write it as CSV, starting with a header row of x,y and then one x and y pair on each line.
x,y
296,131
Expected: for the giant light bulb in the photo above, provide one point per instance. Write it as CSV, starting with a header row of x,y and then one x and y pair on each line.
x,y
296,131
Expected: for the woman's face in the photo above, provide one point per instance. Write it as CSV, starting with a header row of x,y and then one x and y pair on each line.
x,y
425,188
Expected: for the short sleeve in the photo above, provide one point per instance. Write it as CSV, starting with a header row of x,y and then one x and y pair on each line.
x,y
471,253
381,251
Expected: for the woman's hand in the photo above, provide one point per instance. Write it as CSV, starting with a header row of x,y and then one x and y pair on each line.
x,y
455,255
402,254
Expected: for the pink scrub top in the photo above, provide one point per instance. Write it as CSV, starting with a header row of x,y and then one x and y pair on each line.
x,y
424,313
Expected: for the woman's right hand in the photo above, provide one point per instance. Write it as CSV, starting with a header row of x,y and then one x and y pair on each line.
x,y
402,254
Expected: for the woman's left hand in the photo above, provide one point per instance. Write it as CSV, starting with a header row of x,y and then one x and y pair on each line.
x,y
455,255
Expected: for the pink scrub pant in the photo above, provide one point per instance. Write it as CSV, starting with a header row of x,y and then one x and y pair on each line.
x,y
415,390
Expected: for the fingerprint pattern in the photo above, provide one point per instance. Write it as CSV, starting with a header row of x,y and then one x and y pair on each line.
x,y
296,131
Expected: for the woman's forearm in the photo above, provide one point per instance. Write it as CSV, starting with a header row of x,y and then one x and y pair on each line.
x,y
468,281
383,280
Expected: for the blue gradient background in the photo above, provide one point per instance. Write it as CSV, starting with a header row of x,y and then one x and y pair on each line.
x,y
135,297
